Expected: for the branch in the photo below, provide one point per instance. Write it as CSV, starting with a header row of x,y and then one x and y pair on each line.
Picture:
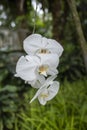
x,y
81,38
13,51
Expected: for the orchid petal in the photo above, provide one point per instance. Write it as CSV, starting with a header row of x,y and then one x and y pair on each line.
x,y
53,90
26,69
39,82
54,47
42,96
51,78
52,71
42,100
44,42
49,59
32,43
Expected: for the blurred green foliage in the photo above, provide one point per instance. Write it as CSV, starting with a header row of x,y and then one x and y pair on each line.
x,y
11,99
67,111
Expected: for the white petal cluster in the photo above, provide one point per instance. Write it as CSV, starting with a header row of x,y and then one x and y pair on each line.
x,y
40,62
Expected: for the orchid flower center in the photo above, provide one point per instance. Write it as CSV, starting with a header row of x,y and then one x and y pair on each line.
x,y
43,69
43,51
43,95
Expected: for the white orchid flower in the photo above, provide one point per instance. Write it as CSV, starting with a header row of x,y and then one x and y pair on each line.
x,y
35,43
32,68
48,91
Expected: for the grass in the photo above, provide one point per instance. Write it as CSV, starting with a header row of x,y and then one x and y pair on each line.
x,y
67,111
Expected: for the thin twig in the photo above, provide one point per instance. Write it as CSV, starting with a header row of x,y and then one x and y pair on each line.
x,y
12,51
35,15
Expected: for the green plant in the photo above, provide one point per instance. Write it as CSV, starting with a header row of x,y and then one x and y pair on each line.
x,y
66,112
11,99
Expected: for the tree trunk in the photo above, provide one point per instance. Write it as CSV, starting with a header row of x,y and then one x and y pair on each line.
x,y
59,12
81,38
55,8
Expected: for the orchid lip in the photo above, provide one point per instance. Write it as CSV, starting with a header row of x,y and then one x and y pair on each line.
x,y
43,51
44,95
43,69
